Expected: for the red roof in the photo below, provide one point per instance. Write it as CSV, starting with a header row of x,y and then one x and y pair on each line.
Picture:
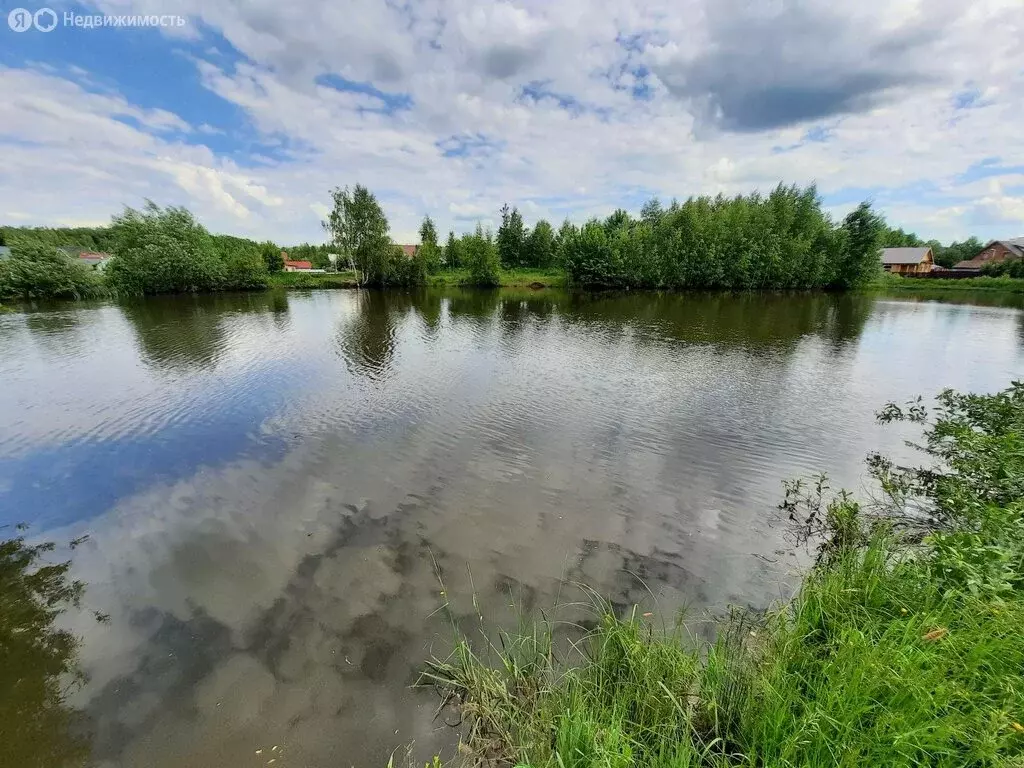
x,y
409,250
299,264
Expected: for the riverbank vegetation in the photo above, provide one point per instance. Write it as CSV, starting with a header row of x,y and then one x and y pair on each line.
x,y
889,282
782,240
38,271
901,647
168,251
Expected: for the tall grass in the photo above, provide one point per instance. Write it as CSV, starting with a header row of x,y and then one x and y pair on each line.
x,y
904,645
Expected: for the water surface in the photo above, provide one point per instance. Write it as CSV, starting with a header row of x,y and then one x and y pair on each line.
x,y
272,482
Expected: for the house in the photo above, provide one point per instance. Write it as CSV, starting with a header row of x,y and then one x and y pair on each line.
x,y
409,250
5,252
995,252
298,266
904,261
95,259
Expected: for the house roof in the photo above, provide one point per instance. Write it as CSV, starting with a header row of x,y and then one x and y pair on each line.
x,y
409,250
93,256
299,264
904,255
1014,245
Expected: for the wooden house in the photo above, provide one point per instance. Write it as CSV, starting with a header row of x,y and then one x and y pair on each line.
x,y
904,261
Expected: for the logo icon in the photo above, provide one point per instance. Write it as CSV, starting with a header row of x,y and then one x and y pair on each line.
x,y
20,20
45,19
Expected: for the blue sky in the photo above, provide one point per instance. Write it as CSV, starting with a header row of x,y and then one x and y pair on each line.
x,y
249,113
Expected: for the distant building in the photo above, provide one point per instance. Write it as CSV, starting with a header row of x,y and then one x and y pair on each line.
x,y
5,252
995,252
903,261
94,259
409,250
298,266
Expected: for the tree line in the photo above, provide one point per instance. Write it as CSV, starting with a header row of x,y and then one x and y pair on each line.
x,y
781,240
945,255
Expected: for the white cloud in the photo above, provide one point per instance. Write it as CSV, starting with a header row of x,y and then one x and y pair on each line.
x,y
471,138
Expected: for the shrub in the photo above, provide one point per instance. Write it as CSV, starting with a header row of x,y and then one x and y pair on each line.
x,y
480,257
39,271
167,251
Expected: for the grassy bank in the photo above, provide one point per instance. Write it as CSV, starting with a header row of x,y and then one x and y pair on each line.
x,y
520,278
514,278
314,280
890,282
902,646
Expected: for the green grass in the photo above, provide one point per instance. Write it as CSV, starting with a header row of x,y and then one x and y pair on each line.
x,y
516,278
316,280
523,278
923,285
903,646
844,676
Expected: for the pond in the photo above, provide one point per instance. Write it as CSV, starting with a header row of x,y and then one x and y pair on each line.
x,y
275,486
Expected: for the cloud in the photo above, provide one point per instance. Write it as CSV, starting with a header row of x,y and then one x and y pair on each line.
x,y
784,64
452,107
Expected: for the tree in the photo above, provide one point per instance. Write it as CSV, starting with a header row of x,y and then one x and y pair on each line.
x,y
618,220
165,250
862,230
651,212
452,255
271,257
566,232
481,258
38,271
429,249
539,250
359,231
511,238
897,238
947,256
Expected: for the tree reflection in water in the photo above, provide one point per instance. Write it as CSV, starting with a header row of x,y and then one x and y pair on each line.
x,y
38,660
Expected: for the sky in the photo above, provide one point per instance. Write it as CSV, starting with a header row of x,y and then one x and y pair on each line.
x,y
249,112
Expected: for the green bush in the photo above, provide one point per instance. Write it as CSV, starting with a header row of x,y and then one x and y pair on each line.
x,y
36,270
784,240
167,251
479,256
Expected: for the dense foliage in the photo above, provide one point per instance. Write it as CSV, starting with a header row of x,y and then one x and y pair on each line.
x,y
1009,268
168,251
479,256
359,231
37,270
90,238
429,250
784,240
902,646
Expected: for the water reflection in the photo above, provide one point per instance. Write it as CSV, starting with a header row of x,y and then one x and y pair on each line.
x,y
185,334
269,510
366,340
38,660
